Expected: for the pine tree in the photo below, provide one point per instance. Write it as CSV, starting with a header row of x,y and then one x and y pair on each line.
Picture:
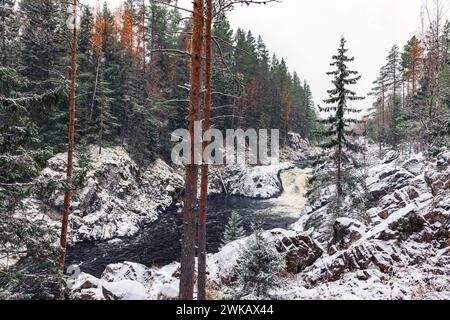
x,y
340,121
204,174
380,92
309,110
71,137
412,62
233,230
259,266
190,197
393,80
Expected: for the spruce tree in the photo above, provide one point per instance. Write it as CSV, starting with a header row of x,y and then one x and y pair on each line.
x,y
223,76
259,266
393,80
233,230
44,52
87,75
26,244
339,132
9,33
310,112
105,122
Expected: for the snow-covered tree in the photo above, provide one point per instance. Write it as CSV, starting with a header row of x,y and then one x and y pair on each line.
x,y
28,253
9,34
234,229
259,266
339,132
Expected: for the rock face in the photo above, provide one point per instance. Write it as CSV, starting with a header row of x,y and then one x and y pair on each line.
x,y
415,165
116,199
346,232
258,182
387,178
300,252
128,281
409,224
299,149
437,175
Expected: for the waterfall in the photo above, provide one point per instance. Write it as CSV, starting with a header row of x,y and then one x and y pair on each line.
x,y
293,199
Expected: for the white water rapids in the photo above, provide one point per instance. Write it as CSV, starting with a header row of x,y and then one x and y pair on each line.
x,y
293,199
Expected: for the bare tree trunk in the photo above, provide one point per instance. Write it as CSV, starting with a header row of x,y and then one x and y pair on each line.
x,y
190,197
68,194
205,167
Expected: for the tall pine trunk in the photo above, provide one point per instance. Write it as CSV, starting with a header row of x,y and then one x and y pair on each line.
x,y
205,166
68,193
190,197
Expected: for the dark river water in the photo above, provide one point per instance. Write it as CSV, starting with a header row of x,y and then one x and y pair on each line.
x,y
158,243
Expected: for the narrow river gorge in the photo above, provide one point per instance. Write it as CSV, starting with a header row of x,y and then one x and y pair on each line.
x,y
159,243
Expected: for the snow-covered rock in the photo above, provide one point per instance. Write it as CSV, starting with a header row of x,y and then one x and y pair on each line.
x,y
299,250
258,182
346,232
408,224
125,290
391,156
116,198
129,281
299,149
387,178
415,165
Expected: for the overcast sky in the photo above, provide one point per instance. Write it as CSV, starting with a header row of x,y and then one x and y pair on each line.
x,y
306,33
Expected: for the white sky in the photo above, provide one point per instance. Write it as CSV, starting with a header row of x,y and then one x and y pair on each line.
x,y
307,32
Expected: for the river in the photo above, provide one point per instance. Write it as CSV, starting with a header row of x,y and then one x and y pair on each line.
x,y
159,243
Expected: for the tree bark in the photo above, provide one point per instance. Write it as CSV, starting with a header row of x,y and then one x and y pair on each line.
x,y
205,167
68,193
190,197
